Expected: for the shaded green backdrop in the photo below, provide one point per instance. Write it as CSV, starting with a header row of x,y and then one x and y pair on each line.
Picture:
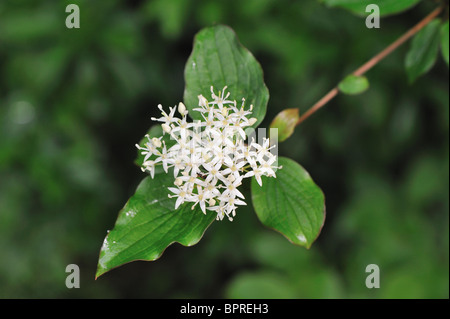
x,y
73,102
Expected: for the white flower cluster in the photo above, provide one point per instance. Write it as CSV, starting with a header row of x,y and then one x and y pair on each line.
x,y
209,158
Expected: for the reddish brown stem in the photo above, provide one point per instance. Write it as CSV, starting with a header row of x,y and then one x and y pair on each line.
x,y
373,61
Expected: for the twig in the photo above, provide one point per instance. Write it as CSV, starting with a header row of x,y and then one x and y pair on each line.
x,y
373,61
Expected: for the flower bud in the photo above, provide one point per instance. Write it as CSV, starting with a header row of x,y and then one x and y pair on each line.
x,y
156,142
252,121
178,181
166,128
181,108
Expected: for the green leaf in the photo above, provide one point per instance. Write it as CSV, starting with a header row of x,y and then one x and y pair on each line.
x,y
444,42
424,50
358,7
353,84
291,203
149,223
285,122
219,60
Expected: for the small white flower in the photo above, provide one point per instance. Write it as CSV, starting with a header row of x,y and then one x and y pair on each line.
x,y
167,119
181,193
232,167
231,190
163,156
149,166
257,173
267,167
214,173
200,198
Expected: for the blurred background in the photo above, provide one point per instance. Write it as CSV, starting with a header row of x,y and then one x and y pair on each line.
x,y
73,103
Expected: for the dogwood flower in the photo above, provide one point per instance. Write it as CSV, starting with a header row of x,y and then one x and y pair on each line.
x,y
210,158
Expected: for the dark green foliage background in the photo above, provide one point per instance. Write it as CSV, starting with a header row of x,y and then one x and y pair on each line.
x,y
74,102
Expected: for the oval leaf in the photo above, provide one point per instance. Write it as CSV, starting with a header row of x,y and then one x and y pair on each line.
x,y
291,203
353,84
149,223
358,7
424,50
219,60
285,122
444,42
